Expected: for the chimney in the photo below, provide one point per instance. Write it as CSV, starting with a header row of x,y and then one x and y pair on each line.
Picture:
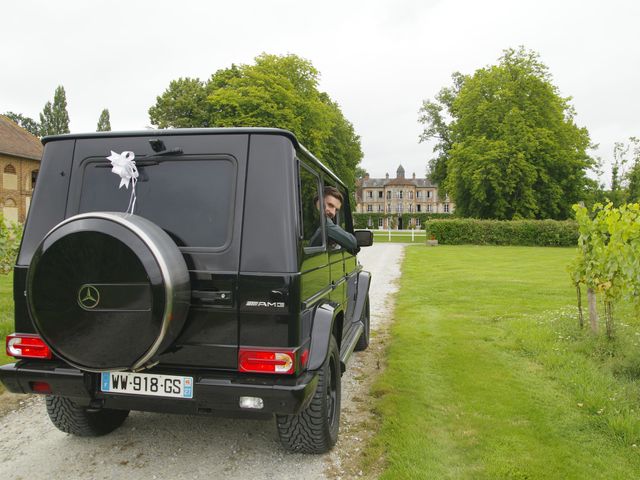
x,y
387,176
414,175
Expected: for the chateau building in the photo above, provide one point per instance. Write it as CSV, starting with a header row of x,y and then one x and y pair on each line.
x,y
397,197
20,154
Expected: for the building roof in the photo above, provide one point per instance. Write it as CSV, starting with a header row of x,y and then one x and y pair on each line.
x,y
399,180
402,181
16,141
373,182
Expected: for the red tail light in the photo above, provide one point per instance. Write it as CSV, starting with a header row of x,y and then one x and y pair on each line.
x,y
27,345
267,361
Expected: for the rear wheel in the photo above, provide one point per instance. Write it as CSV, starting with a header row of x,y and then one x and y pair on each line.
x,y
363,341
315,429
69,417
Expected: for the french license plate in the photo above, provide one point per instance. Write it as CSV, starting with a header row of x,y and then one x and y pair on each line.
x,y
147,384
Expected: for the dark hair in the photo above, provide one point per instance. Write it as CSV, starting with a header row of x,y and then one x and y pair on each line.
x,y
334,192
329,190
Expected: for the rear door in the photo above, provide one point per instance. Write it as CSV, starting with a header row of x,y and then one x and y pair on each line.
x,y
196,196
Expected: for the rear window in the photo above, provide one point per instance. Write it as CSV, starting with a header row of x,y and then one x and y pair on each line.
x,y
191,199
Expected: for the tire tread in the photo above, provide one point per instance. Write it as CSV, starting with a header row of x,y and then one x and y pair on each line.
x,y
308,431
71,418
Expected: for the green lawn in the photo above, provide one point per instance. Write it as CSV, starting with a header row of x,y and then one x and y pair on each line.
x,y
6,317
488,376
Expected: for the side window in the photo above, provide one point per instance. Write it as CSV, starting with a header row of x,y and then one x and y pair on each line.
x,y
312,232
345,220
341,217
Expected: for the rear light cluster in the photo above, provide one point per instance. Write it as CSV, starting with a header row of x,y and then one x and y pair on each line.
x,y
27,345
261,360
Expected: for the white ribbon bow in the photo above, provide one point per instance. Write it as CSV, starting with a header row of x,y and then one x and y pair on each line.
x,y
125,167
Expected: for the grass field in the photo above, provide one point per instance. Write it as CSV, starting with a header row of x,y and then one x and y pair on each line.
x,y
488,376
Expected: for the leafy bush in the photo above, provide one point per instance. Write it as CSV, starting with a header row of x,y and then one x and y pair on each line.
x,y
10,237
543,233
608,259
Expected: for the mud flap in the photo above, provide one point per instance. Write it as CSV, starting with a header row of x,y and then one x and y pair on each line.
x,y
320,335
364,280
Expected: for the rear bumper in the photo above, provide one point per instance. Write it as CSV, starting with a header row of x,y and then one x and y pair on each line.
x,y
214,392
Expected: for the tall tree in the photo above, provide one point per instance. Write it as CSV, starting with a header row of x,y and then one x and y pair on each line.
x,y
436,115
509,147
54,119
275,91
29,124
633,175
182,105
360,172
104,122
618,194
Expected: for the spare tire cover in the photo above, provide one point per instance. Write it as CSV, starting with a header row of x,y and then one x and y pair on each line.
x,y
108,291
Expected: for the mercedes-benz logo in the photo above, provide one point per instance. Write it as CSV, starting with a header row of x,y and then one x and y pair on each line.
x,y
88,297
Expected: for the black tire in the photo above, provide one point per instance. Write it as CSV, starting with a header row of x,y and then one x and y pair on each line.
x,y
69,417
363,341
315,429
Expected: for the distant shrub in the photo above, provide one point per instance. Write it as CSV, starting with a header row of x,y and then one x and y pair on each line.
x,y
546,233
10,236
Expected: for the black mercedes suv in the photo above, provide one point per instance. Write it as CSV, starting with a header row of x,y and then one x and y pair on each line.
x,y
196,289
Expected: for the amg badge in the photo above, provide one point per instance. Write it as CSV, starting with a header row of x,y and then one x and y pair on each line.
x,y
252,303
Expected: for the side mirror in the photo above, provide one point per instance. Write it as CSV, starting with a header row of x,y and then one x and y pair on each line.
x,y
364,238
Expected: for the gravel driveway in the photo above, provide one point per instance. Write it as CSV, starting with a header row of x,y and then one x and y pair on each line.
x,y
150,446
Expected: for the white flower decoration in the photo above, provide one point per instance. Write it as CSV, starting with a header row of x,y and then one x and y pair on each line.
x,y
125,167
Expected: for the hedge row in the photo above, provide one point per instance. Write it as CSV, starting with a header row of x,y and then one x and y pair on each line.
x,y
547,233
370,219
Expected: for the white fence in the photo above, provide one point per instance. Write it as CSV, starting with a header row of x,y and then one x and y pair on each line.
x,y
416,235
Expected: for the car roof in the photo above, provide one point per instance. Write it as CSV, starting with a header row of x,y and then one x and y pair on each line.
x,y
199,131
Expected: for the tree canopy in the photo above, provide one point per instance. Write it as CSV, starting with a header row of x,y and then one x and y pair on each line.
x,y
54,119
104,122
28,123
625,174
507,145
275,91
633,176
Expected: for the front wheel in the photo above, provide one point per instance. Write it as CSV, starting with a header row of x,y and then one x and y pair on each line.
x,y
315,429
70,417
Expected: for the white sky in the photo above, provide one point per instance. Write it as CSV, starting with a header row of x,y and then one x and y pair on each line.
x,y
378,59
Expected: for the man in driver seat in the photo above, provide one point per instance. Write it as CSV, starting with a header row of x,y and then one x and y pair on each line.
x,y
332,203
